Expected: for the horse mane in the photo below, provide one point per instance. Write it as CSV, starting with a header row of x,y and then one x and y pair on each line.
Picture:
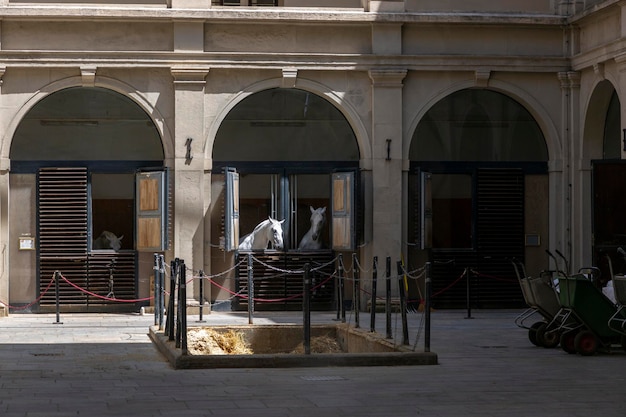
x,y
261,225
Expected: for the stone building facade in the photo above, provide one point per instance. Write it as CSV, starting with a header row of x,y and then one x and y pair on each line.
x,y
472,130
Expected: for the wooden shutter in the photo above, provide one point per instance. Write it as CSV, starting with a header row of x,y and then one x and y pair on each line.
x,y
231,210
151,207
343,211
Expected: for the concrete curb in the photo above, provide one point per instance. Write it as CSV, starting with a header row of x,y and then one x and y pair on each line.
x,y
180,361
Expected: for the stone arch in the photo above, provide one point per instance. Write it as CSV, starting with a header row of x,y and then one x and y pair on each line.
x,y
595,112
103,82
348,111
533,106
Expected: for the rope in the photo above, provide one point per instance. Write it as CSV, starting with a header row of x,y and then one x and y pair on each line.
x,y
24,307
103,297
264,300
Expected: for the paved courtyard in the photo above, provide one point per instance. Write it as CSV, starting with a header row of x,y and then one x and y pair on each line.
x,y
105,365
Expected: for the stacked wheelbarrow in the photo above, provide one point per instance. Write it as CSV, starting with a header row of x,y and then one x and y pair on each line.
x,y
582,322
542,300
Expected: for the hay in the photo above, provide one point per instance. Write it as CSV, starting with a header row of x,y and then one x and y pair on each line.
x,y
210,342
320,344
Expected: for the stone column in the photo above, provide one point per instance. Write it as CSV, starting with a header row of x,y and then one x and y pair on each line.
x,y
5,164
571,192
189,84
387,164
580,193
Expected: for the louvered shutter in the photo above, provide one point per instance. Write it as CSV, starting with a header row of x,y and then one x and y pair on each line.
x,y
343,218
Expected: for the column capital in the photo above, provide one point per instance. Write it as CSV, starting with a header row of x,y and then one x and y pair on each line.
x,y
391,77
569,79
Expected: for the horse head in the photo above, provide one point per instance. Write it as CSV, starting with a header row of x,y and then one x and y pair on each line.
x,y
318,220
275,233
108,240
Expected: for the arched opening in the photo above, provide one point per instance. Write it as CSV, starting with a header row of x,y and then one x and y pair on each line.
x,y
285,144
604,145
74,157
478,195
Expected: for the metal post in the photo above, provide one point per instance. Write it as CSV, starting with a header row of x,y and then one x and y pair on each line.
x,y
342,290
201,289
250,291
468,277
57,274
405,326
356,292
427,292
373,297
306,307
388,296
161,290
156,288
179,306
182,302
169,323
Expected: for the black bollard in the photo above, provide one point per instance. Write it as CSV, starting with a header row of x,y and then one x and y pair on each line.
x,y
468,278
156,288
402,291
388,296
306,308
201,290
182,302
57,275
373,297
169,323
427,293
342,290
179,307
356,292
250,291
161,290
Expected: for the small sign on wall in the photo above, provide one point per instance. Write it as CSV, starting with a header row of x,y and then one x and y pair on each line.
x,y
27,243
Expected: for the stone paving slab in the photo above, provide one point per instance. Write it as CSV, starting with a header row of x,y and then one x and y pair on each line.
x,y
105,365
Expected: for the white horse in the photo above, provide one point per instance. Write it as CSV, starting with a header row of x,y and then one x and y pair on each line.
x,y
270,230
108,240
313,238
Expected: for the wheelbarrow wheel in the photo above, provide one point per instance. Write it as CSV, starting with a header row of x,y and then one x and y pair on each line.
x,y
532,333
568,341
586,343
547,339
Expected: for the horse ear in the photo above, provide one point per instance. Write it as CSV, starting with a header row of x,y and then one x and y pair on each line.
x,y
312,209
324,209
282,221
120,238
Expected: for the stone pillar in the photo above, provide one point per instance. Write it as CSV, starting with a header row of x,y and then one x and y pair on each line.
x,y
387,163
189,85
570,236
5,164
580,193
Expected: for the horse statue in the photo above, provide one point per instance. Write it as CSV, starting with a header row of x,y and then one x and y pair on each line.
x,y
108,240
270,230
313,238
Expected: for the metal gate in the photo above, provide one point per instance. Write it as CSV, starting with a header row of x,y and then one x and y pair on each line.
x,y
278,289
